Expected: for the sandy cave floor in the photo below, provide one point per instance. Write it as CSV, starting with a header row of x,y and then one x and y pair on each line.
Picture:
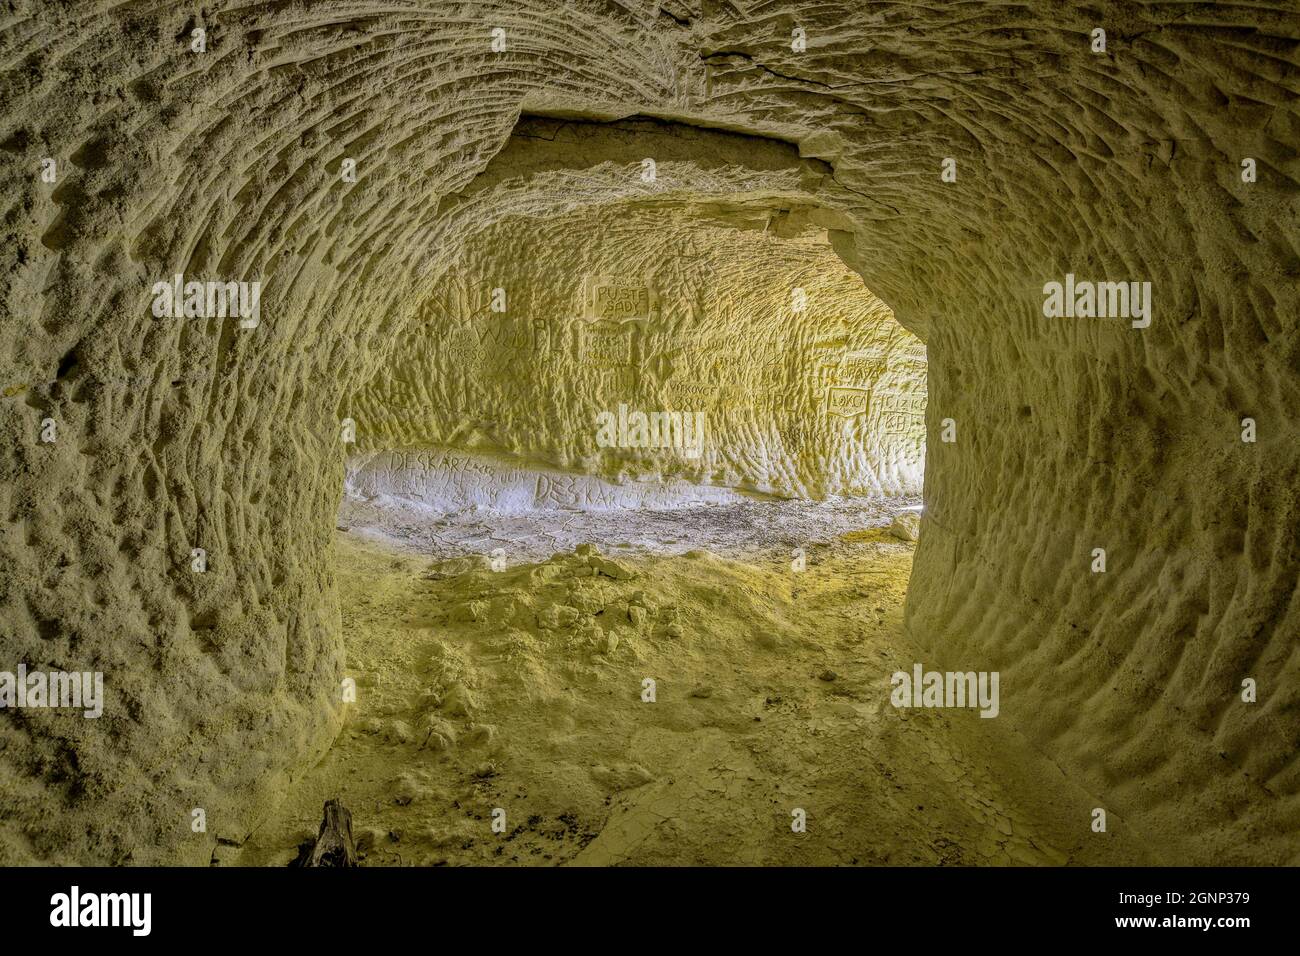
x,y
522,690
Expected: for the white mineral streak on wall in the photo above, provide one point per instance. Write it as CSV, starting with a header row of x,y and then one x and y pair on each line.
x,y
450,480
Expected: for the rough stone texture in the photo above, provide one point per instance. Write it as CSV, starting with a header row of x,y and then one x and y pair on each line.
x,y
826,398
748,721
1072,434
906,526
660,524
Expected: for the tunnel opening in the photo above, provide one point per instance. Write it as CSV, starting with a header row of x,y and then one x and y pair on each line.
x,y
623,443
666,442
642,359
643,313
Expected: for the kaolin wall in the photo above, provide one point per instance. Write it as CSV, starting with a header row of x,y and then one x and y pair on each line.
x,y
805,383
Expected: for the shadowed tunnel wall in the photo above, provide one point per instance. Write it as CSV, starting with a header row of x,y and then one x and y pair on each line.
x,y
1071,434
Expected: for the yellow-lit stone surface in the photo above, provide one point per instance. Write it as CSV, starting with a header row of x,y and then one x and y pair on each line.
x,y
823,397
766,699
1071,434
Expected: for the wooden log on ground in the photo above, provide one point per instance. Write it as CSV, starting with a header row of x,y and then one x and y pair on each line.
x,y
334,845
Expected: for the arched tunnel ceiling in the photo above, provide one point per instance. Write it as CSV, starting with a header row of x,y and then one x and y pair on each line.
x,y
1071,434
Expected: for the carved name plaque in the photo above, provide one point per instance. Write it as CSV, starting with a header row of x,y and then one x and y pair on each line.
x,y
908,403
848,402
902,414
605,345
606,297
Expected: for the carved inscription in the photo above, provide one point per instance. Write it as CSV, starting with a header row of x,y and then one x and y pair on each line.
x,y
860,369
706,393
906,403
613,299
848,402
480,341
903,414
434,472
606,345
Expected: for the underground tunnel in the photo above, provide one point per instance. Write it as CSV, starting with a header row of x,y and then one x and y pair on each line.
x,y
624,433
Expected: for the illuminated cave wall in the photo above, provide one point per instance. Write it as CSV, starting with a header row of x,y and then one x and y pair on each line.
x,y
805,383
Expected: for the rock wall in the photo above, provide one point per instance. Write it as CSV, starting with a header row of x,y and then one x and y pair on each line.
x,y
227,159
802,382
447,480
